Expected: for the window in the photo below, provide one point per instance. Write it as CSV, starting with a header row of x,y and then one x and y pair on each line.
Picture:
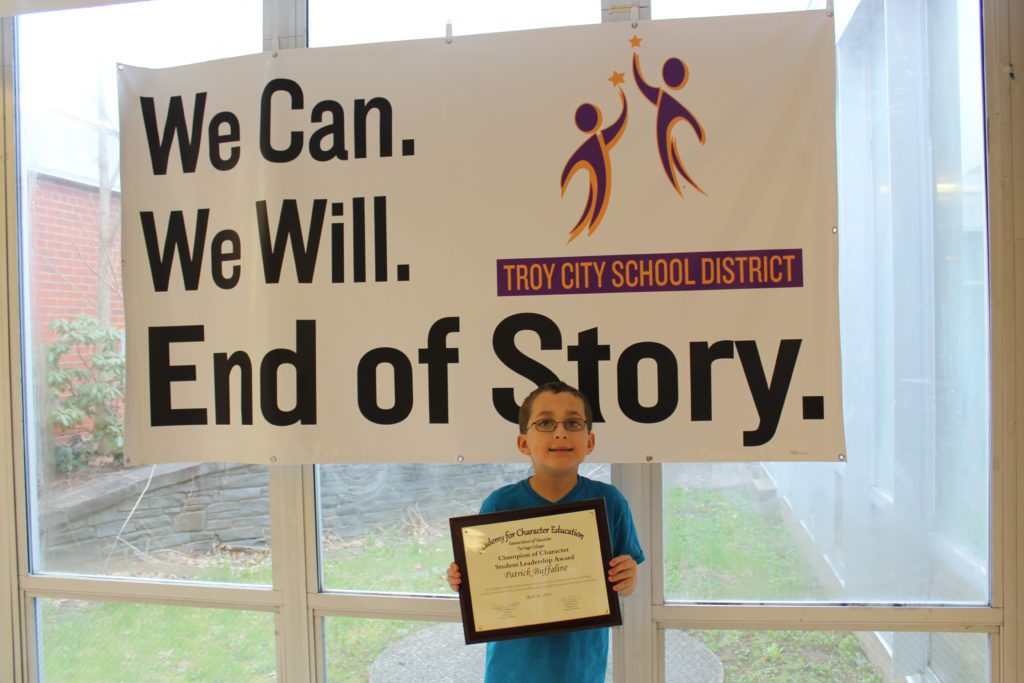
x,y
90,514
167,571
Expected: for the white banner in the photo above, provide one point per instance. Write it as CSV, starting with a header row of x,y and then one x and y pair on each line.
x,y
373,253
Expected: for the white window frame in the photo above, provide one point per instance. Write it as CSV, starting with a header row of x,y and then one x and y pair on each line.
x,y
295,597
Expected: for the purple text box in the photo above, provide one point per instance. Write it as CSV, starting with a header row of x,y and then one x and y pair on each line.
x,y
693,271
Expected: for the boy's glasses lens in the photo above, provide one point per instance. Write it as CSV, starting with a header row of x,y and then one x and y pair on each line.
x,y
570,425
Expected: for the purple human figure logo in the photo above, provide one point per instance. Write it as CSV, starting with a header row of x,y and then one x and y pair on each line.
x,y
592,156
669,113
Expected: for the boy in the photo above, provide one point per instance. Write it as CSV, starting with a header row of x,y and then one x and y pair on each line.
x,y
554,432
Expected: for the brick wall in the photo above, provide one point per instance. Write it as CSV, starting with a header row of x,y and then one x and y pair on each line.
x,y
64,266
65,274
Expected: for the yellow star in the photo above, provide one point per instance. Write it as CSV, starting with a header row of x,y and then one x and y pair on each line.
x,y
634,41
617,78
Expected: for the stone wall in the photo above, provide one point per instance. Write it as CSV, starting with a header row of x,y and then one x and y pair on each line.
x,y
197,507
185,507
356,499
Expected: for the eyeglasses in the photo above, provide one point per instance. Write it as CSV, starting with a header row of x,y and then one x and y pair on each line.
x,y
573,424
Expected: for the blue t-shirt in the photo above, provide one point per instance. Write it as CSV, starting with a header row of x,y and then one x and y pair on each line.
x,y
578,656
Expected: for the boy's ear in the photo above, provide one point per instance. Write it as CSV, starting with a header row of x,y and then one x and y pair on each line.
x,y
590,443
521,443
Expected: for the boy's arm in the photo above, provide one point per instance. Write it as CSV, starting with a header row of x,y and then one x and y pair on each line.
x,y
622,575
454,576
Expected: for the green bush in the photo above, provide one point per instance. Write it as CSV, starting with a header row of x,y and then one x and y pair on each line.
x,y
85,374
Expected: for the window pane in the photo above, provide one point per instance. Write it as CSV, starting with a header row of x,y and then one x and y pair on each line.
x,y
337,23
726,537
906,519
89,513
825,657
120,641
384,527
802,532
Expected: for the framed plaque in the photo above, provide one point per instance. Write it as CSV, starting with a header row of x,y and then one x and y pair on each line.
x,y
535,571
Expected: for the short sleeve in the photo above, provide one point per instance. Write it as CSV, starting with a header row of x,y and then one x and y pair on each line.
x,y
624,537
488,505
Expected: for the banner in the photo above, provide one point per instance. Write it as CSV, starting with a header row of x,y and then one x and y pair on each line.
x,y
373,253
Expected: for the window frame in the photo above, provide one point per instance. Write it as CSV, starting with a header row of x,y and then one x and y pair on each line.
x,y
296,597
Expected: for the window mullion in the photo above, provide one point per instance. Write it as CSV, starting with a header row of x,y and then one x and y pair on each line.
x,y
383,606
288,552
291,490
1003,46
656,560
16,651
829,618
185,594
634,642
637,640
284,25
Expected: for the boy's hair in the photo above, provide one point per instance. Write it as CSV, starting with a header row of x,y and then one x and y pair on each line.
x,y
556,387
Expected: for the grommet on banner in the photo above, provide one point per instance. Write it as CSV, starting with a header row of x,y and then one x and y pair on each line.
x,y
459,458
634,15
835,229
448,33
842,457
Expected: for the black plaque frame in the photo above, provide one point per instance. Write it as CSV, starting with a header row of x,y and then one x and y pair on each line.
x,y
614,616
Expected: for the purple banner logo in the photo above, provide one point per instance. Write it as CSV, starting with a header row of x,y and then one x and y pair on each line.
x,y
694,271
593,156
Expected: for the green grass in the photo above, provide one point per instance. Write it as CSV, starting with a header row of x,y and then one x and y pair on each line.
x,y
390,561
237,568
790,656
718,547
353,644
114,641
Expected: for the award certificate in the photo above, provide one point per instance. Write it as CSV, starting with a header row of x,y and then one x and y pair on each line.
x,y
535,571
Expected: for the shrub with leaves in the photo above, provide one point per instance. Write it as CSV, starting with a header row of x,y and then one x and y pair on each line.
x,y
85,373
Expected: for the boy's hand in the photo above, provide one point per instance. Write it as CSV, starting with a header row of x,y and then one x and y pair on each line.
x,y
622,575
454,577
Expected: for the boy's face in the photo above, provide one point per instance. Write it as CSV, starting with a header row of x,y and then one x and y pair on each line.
x,y
558,451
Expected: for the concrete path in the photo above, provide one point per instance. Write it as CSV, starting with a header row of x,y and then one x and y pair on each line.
x,y
438,654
